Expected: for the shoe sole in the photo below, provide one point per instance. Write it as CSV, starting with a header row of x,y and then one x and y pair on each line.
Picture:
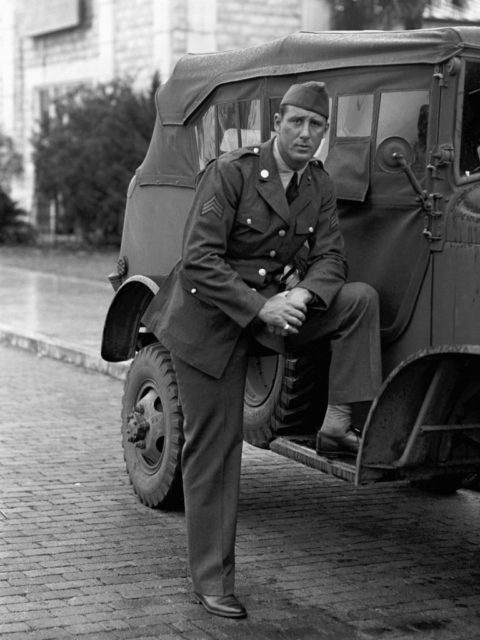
x,y
337,454
215,612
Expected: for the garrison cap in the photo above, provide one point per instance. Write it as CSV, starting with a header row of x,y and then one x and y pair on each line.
x,y
311,96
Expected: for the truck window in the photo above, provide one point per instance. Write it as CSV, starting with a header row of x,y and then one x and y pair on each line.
x,y
250,123
205,133
225,127
470,131
354,116
405,114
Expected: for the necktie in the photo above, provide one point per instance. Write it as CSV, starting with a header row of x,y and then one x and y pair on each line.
x,y
292,188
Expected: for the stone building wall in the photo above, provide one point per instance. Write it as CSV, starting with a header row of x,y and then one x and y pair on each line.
x,y
63,47
133,40
243,23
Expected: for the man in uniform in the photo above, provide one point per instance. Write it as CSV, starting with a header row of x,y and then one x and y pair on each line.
x,y
254,210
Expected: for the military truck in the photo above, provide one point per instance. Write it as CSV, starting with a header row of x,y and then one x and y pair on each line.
x,y
403,150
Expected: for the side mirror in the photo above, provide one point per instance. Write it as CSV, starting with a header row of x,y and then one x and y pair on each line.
x,y
395,154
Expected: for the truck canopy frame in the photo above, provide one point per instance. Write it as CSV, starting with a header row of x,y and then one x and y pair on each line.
x,y
196,76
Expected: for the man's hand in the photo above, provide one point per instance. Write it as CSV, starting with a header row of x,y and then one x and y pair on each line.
x,y
299,295
285,312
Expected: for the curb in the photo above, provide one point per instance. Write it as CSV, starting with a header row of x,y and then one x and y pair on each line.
x,y
63,351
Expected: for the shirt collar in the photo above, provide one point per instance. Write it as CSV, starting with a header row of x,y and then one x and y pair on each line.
x,y
283,169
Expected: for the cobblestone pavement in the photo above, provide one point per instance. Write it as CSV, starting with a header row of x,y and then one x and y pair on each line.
x,y
317,559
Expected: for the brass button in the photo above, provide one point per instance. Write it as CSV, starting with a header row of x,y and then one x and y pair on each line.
x,y
273,253
256,149
262,272
264,173
193,290
310,229
248,221
282,233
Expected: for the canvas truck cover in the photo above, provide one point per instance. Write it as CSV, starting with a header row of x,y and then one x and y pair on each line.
x,y
196,75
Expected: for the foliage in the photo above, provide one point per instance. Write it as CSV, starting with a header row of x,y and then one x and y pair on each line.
x,y
10,162
381,14
87,153
8,209
14,228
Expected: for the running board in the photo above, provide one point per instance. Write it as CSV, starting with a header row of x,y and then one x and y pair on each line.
x,y
307,456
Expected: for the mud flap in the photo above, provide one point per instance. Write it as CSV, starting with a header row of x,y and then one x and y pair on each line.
x,y
425,422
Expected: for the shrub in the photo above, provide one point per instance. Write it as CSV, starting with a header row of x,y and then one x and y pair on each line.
x,y
10,162
14,226
86,155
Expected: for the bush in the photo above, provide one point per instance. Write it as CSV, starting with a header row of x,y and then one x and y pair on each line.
x,y
86,155
14,226
10,162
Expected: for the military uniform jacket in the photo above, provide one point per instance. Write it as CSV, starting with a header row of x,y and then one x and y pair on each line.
x,y
238,238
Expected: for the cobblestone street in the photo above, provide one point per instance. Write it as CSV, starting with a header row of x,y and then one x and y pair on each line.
x,y
317,558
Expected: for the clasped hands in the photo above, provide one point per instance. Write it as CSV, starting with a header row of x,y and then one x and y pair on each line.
x,y
285,312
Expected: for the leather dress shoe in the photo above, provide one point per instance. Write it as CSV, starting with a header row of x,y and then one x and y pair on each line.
x,y
225,606
346,444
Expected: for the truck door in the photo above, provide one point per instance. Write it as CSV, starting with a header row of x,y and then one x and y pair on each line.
x,y
380,215
455,221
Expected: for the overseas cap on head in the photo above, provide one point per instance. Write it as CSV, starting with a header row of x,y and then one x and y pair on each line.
x,y
311,96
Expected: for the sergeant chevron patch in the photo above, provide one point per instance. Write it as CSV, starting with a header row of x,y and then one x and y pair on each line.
x,y
333,221
212,206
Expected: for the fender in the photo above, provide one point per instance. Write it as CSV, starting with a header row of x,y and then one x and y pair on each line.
x,y
123,320
425,420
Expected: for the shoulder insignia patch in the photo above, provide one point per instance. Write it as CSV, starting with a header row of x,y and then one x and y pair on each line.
x,y
333,221
212,205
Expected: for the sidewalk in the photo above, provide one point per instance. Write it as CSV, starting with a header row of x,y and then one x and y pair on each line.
x,y
57,316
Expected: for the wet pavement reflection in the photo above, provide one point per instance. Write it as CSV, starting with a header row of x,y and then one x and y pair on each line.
x,y
69,309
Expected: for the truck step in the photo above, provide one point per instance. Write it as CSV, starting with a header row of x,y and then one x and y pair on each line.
x,y
292,447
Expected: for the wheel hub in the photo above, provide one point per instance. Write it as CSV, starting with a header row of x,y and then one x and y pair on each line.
x,y
146,426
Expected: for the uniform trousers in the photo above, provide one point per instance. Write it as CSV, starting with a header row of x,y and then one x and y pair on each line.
x,y
213,424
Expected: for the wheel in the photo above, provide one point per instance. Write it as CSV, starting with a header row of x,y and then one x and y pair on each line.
x,y
152,431
284,395
263,386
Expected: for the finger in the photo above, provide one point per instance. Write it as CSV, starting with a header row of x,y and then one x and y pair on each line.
x,y
297,306
290,331
294,322
290,322
296,316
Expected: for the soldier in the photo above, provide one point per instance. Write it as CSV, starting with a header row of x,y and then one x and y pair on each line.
x,y
254,210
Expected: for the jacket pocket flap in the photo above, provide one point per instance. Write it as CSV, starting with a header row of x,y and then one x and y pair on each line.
x,y
254,221
305,225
